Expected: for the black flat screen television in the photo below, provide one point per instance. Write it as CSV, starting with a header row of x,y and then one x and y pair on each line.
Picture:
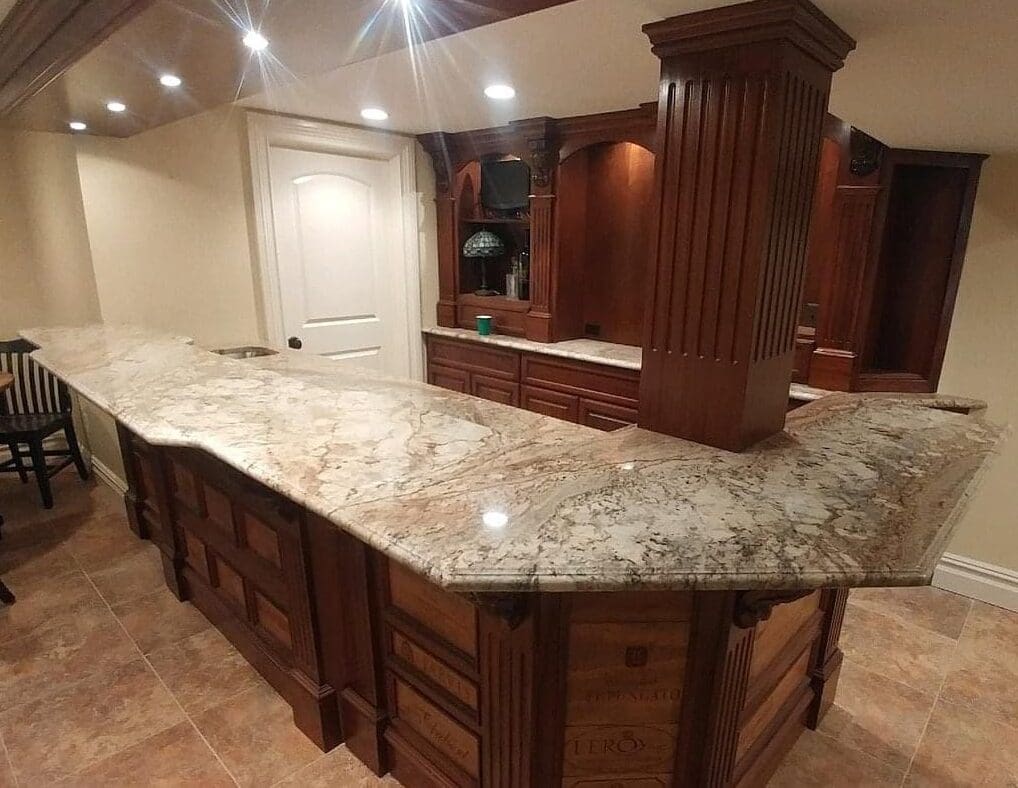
x,y
505,185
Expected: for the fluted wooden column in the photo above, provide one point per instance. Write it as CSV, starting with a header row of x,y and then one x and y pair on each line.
x,y
743,94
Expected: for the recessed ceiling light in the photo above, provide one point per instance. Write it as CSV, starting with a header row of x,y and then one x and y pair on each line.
x,y
255,40
77,125
500,92
374,113
170,81
116,106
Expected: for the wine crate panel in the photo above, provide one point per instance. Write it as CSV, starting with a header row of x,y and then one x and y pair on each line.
x,y
273,620
773,635
438,729
636,750
260,538
632,606
229,582
432,668
629,673
196,557
447,615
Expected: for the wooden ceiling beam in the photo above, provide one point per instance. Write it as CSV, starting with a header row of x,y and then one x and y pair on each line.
x,y
41,39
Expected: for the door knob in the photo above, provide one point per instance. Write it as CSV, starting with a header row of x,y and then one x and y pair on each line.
x,y
295,343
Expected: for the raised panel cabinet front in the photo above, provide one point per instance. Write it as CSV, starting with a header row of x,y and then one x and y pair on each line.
x,y
494,389
550,403
449,378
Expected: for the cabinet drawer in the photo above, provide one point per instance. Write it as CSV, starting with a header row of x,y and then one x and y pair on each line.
x,y
474,357
605,415
421,662
450,617
494,389
620,386
449,378
550,403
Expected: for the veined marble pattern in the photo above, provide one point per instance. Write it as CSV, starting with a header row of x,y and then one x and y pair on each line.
x,y
592,350
484,497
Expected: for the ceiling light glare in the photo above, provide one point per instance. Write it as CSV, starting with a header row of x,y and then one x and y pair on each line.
x,y
170,81
495,519
116,106
77,125
255,40
500,92
374,113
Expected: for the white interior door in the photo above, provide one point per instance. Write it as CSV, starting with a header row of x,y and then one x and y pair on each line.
x,y
342,279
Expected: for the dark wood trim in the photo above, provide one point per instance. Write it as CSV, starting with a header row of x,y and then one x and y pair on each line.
x,y
825,665
39,41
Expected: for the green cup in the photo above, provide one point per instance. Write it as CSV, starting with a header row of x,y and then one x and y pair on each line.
x,y
484,325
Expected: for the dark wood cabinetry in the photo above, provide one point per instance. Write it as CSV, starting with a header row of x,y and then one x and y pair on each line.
x,y
590,185
887,244
473,690
595,395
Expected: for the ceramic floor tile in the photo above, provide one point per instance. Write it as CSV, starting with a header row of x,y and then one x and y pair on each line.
x,y
254,735
964,747
81,724
338,767
176,756
6,772
984,675
27,568
40,604
73,646
159,619
931,608
22,507
101,541
891,648
131,577
817,761
880,717
203,670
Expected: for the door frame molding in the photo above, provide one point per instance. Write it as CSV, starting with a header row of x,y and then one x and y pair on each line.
x,y
265,131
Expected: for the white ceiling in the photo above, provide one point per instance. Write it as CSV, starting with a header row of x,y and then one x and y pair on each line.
x,y
927,73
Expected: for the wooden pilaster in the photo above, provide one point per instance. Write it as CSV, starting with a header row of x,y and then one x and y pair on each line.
x,y
742,101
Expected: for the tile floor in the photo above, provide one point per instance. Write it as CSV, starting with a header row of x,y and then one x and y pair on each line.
x,y
105,679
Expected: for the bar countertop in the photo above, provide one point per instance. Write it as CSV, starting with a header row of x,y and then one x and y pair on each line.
x,y
858,490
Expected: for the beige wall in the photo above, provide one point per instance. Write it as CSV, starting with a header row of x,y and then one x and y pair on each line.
x,y
167,220
45,262
982,357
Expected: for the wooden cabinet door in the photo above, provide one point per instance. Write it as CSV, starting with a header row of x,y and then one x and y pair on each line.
x,y
449,378
494,389
605,415
551,403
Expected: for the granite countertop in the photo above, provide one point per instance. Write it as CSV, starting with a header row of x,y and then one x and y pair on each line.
x,y
479,496
594,351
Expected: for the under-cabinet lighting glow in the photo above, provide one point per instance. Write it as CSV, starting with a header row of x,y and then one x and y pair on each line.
x,y
255,40
500,92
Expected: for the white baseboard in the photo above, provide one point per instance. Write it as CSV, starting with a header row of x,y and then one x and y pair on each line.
x,y
994,585
108,477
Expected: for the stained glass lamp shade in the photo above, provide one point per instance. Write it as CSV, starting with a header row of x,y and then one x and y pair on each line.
x,y
482,246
